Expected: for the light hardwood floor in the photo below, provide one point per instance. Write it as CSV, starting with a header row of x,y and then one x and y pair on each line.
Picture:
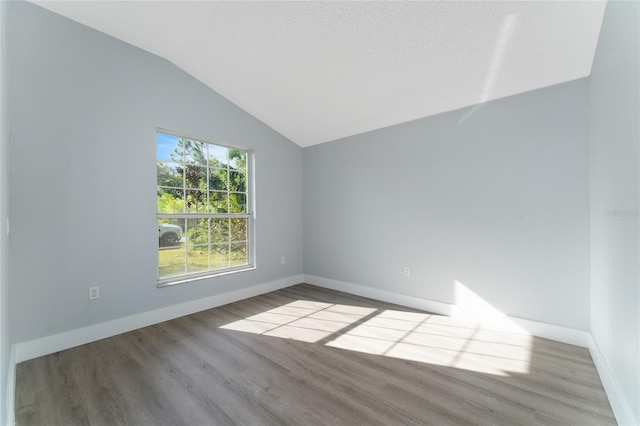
x,y
306,355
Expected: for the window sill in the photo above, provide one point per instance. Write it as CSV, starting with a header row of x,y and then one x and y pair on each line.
x,y
197,277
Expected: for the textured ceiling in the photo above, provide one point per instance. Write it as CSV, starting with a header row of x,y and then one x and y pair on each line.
x,y
319,71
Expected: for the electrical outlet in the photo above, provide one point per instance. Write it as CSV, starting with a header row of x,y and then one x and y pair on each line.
x,y
407,271
284,260
94,293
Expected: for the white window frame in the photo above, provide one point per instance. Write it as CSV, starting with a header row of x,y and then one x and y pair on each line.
x,y
249,215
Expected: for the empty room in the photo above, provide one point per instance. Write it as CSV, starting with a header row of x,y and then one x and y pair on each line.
x,y
322,212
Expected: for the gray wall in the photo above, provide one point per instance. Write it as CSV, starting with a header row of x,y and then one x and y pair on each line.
x,y
4,248
615,138
83,109
498,202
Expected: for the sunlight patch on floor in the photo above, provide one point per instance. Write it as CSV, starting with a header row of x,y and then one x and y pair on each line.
x,y
439,340
302,320
412,336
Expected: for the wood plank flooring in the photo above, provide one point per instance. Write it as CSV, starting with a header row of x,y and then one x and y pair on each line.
x,y
311,356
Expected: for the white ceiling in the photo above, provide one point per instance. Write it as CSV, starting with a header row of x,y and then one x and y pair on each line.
x,y
319,71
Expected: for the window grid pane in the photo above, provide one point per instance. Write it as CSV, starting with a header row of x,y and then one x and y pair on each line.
x,y
203,212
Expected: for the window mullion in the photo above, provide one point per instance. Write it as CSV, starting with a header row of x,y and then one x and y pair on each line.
x,y
186,245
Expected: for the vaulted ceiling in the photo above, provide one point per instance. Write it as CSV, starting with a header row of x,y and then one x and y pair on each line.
x,y
319,71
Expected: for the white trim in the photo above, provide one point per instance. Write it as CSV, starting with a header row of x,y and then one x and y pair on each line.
x,y
619,404
69,339
558,333
11,388
381,295
198,138
538,329
187,278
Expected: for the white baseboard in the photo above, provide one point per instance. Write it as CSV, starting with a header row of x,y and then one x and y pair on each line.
x,y
382,295
619,404
558,333
69,339
11,388
538,329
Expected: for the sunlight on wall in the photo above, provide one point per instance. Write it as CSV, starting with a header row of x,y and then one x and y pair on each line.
x,y
468,305
506,32
414,336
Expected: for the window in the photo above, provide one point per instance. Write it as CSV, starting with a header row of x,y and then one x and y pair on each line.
x,y
204,208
